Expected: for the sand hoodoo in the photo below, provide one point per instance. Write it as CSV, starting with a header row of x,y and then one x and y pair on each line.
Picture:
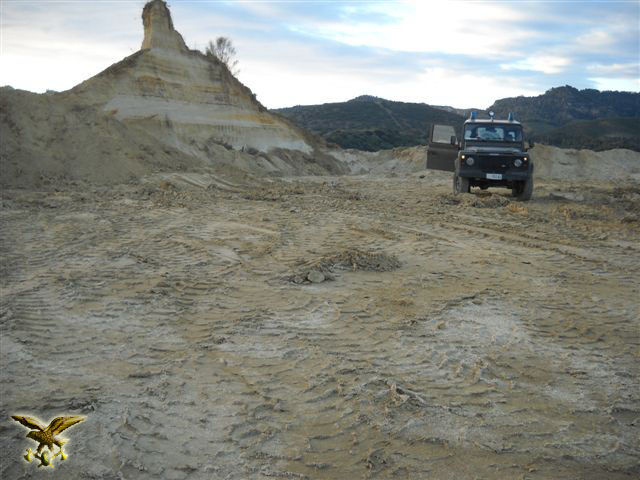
x,y
158,28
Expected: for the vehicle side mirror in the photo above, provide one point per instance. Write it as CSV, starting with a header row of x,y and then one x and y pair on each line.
x,y
529,144
454,140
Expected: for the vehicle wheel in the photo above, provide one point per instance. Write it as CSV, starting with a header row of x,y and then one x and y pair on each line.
x,y
460,184
523,190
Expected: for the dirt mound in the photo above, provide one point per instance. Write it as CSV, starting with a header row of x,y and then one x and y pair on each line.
x,y
52,138
569,164
476,200
396,161
354,259
486,201
550,162
348,260
49,138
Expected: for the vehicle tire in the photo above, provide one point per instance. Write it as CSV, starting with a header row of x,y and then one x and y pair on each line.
x,y
523,190
460,184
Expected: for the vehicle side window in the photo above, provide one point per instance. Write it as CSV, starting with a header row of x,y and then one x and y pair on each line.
x,y
443,134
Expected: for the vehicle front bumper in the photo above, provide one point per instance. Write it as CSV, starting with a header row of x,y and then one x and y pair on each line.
x,y
479,172
508,175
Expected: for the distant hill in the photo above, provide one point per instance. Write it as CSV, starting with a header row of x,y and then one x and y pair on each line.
x,y
562,116
598,135
562,105
572,118
371,123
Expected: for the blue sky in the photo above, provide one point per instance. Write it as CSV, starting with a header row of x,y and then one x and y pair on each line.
x,y
458,53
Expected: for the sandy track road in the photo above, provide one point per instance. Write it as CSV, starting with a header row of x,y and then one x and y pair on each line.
x,y
180,320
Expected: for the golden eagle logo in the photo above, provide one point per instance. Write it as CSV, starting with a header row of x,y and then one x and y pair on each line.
x,y
46,437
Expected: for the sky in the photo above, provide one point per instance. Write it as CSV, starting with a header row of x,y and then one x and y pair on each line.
x,y
458,53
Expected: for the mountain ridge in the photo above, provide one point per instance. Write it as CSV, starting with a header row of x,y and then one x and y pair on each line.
x,y
556,117
370,123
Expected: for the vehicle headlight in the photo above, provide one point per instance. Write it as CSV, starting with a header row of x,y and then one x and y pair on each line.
x,y
470,161
517,162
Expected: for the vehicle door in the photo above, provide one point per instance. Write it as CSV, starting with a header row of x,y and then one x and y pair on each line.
x,y
441,155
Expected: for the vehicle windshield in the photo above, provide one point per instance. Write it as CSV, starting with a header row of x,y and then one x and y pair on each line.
x,y
493,133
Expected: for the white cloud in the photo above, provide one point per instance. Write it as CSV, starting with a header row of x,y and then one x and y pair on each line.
x,y
595,39
471,28
617,69
285,87
545,64
441,86
434,86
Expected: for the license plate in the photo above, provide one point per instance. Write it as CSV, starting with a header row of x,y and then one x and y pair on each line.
x,y
494,176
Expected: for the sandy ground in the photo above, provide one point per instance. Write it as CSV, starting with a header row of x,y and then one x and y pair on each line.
x,y
452,337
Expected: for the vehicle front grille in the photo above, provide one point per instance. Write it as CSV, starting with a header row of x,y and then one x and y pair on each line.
x,y
495,163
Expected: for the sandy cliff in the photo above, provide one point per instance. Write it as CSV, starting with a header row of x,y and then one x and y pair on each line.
x,y
163,105
166,84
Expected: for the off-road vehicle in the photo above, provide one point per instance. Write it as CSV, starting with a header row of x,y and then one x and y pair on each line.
x,y
491,153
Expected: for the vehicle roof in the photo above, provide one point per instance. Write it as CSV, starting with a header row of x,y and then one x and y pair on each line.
x,y
488,120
